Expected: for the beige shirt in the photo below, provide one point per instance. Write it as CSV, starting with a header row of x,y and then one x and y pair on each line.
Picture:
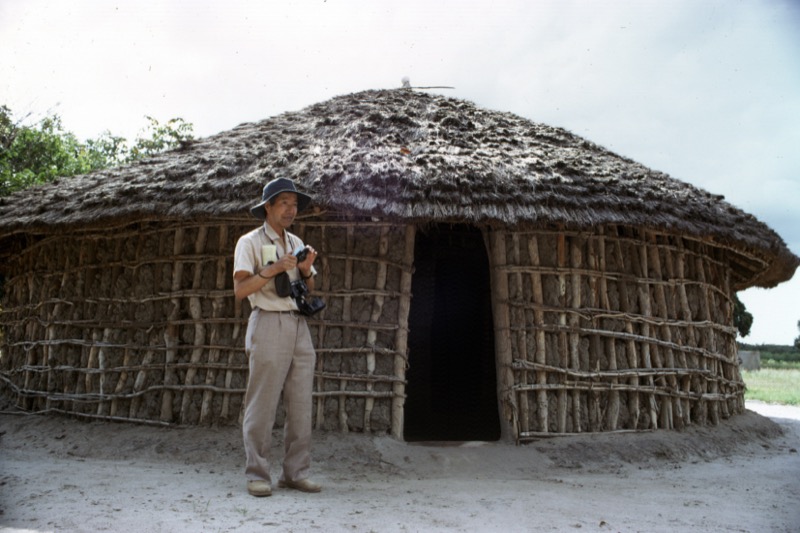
x,y
247,258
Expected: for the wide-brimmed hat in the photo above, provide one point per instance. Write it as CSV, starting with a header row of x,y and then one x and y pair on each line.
x,y
274,188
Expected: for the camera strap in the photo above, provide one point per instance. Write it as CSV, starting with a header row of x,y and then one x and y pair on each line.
x,y
272,241
283,285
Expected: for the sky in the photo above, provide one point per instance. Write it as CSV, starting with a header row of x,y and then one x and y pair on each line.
x,y
706,91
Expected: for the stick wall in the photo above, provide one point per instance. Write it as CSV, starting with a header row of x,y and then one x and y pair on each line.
x,y
622,329
139,323
616,330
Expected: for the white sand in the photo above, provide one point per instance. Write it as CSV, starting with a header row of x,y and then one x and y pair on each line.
x,y
59,474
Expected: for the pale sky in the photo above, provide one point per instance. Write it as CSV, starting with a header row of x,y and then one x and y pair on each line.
x,y
706,91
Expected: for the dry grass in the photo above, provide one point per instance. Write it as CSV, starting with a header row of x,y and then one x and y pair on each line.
x,y
774,384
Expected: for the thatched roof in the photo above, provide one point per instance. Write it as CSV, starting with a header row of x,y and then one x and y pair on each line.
x,y
406,156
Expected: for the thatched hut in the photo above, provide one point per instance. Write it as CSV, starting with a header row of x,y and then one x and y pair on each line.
x,y
485,277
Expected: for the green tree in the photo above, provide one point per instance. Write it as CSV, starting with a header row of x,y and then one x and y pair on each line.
x,y
741,318
157,137
797,340
31,155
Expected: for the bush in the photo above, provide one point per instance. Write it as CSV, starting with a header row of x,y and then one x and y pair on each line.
x,y
774,352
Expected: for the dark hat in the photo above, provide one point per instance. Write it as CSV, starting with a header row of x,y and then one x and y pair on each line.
x,y
274,188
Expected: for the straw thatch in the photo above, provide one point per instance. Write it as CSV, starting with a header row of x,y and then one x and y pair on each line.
x,y
611,284
405,156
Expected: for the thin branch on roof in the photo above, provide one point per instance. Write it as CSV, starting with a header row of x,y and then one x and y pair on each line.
x,y
406,84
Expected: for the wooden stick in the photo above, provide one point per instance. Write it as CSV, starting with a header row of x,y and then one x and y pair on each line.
x,y
509,413
375,316
624,305
596,348
171,333
670,410
121,382
674,305
576,260
196,312
321,287
50,334
709,339
732,370
401,336
542,408
217,308
225,410
517,316
611,348
642,271
346,317
562,321
533,435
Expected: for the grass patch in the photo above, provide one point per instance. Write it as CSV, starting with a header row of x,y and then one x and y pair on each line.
x,y
776,382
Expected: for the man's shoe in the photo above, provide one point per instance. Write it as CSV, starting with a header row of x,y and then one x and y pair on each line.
x,y
259,488
304,485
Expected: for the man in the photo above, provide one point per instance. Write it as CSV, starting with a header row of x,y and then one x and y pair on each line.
x,y
278,342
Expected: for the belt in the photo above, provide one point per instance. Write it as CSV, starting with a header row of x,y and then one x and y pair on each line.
x,y
294,314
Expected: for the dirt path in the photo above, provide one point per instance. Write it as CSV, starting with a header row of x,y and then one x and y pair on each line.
x,y
58,474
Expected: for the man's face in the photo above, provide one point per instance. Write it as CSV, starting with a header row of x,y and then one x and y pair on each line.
x,y
280,215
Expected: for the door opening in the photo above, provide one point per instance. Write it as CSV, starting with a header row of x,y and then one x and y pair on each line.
x,y
451,394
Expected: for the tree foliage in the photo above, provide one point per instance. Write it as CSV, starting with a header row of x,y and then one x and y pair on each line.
x,y
157,137
39,153
742,319
797,340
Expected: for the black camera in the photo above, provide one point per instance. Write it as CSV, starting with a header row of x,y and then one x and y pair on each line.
x,y
301,254
306,307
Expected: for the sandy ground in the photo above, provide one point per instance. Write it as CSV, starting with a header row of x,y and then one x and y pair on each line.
x,y
60,474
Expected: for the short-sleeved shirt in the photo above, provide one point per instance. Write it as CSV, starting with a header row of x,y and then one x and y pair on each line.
x,y
247,258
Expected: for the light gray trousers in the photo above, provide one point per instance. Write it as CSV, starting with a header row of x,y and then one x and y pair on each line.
x,y
282,358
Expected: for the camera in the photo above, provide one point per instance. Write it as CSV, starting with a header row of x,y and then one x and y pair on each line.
x,y
300,253
312,306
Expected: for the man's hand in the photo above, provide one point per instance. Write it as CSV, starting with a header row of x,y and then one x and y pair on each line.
x,y
286,262
311,256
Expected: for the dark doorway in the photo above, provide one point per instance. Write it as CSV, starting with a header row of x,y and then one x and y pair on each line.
x,y
451,393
